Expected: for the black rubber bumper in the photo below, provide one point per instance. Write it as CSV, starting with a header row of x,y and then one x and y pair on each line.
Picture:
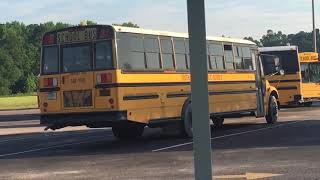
x,y
92,120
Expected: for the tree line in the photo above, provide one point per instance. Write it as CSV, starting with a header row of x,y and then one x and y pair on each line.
x,y
301,39
20,47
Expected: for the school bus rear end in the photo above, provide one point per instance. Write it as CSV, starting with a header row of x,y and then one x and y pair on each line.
x,y
76,68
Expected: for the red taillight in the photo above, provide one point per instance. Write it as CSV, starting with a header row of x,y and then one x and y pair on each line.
x,y
104,78
50,82
48,39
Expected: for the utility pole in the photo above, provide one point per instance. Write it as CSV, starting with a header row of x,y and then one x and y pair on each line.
x,y
314,28
199,89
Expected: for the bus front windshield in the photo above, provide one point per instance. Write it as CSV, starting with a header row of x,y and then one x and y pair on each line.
x,y
310,72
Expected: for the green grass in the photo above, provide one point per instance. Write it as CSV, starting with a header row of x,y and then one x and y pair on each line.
x,y
18,102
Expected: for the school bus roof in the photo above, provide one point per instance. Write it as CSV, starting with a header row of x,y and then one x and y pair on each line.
x,y
155,32
278,48
179,35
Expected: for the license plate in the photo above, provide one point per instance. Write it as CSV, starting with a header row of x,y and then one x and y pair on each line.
x,y
52,96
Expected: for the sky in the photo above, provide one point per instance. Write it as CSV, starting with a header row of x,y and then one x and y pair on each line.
x,y
231,18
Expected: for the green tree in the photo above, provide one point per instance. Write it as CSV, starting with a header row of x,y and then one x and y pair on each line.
x,y
258,43
128,24
9,73
274,39
302,39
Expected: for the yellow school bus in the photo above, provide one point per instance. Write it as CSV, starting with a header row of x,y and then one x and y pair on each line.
x,y
310,74
289,84
130,78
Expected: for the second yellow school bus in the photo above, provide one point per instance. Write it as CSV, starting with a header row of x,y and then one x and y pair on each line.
x,y
310,74
289,84
129,78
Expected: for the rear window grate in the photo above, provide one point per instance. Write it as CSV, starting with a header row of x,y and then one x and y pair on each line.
x,y
77,98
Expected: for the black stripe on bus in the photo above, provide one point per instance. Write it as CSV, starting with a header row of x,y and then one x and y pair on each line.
x,y
178,95
284,81
132,98
49,89
101,86
288,88
232,92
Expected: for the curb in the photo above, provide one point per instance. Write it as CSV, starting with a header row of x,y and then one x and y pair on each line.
x,y
24,109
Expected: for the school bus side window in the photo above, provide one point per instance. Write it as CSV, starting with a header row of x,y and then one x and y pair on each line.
x,y
228,57
215,52
180,54
305,73
238,57
247,58
152,50
131,54
167,54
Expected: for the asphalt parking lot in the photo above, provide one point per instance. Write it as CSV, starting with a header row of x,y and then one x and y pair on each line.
x,y
245,148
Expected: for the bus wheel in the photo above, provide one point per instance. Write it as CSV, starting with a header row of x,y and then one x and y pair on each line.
x,y
128,130
217,122
186,116
273,111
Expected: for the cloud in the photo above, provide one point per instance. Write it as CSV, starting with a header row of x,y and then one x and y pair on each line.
x,y
237,18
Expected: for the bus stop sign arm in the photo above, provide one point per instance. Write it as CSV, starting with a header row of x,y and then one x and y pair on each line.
x,y
199,89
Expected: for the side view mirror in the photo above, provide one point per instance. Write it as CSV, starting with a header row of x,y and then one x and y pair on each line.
x,y
277,62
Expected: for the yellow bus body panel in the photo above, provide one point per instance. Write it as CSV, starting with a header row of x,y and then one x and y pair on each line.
x,y
170,90
288,87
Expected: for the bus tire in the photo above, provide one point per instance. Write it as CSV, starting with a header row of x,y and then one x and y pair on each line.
x,y
217,122
307,104
273,110
128,130
186,129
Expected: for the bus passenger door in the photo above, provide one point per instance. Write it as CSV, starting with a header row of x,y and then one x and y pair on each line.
x,y
260,82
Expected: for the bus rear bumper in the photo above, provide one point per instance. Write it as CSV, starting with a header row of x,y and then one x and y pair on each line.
x,y
91,120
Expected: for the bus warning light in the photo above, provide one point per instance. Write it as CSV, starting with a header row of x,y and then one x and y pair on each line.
x,y
104,78
50,82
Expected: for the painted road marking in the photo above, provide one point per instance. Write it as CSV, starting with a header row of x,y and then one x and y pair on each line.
x,y
229,135
54,135
54,147
248,176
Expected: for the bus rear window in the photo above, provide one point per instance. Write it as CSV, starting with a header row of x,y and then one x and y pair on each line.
x,y
50,60
76,58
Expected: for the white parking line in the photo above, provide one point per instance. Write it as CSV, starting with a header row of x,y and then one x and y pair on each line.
x,y
45,134
51,147
225,136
